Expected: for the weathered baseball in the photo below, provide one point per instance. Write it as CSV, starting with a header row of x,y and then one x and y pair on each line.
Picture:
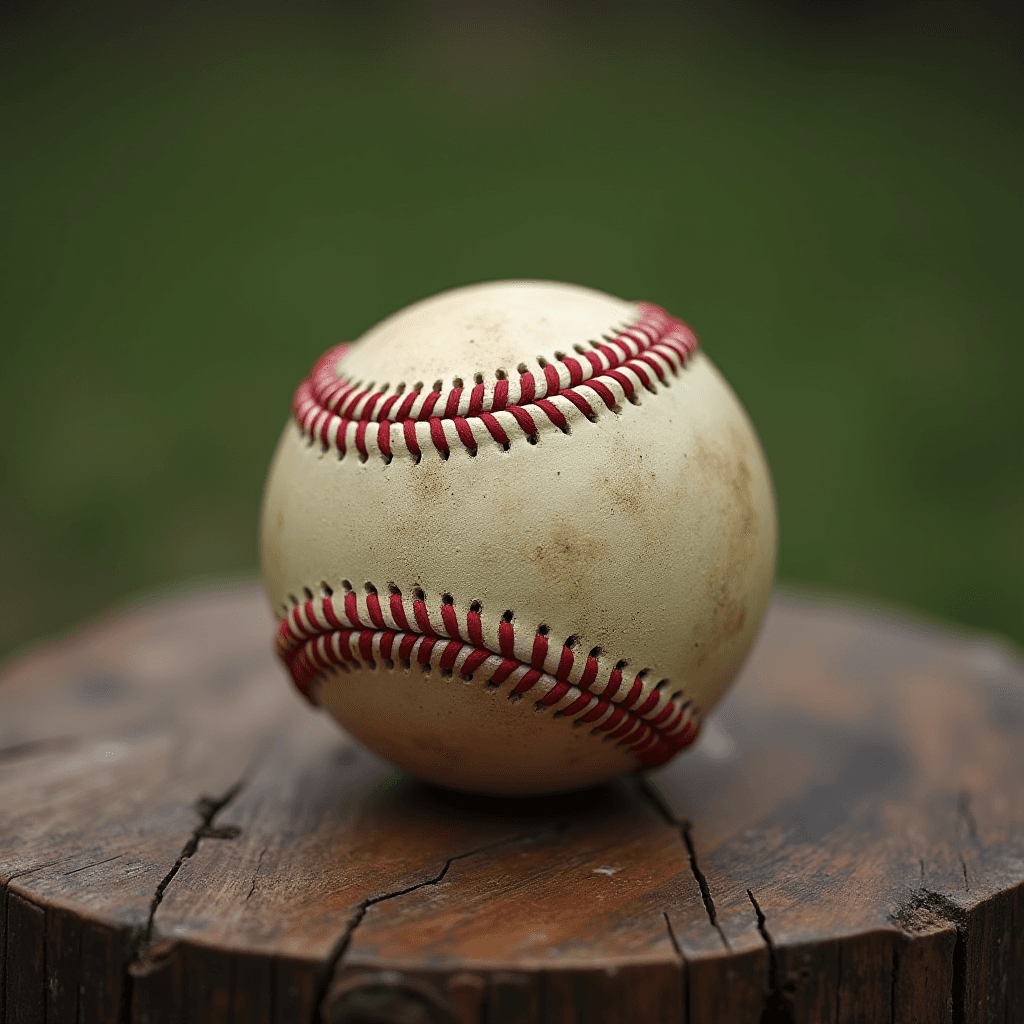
x,y
521,536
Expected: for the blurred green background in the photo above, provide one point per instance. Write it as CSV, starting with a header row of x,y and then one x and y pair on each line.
x,y
196,201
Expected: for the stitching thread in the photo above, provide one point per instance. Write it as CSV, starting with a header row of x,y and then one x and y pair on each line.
x,y
367,420
321,635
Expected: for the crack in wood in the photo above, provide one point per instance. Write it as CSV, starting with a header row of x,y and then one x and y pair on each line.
x,y
672,936
651,794
918,913
29,871
685,829
341,946
776,1008
955,915
207,808
959,976
94,864
255,874
5,926
924,966
965,822
220,832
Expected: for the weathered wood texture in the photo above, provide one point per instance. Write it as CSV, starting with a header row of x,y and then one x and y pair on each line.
x,y
182,839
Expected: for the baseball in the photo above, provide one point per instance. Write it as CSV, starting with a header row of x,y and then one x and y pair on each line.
x,y
520,537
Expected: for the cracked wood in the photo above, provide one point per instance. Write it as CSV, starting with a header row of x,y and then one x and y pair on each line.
x,y
843,844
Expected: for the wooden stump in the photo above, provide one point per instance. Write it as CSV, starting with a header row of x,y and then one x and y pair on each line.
x,y
183,839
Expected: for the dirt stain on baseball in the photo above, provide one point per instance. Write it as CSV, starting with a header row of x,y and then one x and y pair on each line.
x,y
564,560
726,469
430,482
636,490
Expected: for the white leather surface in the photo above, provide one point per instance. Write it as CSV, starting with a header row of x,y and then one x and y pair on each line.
x,y
466,331
650,533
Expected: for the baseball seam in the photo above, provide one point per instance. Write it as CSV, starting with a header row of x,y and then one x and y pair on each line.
x,y
345,415
321,634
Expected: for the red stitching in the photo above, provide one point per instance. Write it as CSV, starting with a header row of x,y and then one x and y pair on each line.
x,y
540,650
438,438
473,625
565,663
334,410
315,637
419,610
373,607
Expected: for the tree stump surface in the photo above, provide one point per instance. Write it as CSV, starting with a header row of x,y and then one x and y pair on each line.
x,y
183,839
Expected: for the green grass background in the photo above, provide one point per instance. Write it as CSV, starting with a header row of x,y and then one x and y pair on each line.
x,y
193,206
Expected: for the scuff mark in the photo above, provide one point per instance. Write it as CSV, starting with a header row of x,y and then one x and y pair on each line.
x,y
924,909
920,914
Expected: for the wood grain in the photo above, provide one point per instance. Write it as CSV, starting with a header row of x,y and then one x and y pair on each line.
x,y
182,839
